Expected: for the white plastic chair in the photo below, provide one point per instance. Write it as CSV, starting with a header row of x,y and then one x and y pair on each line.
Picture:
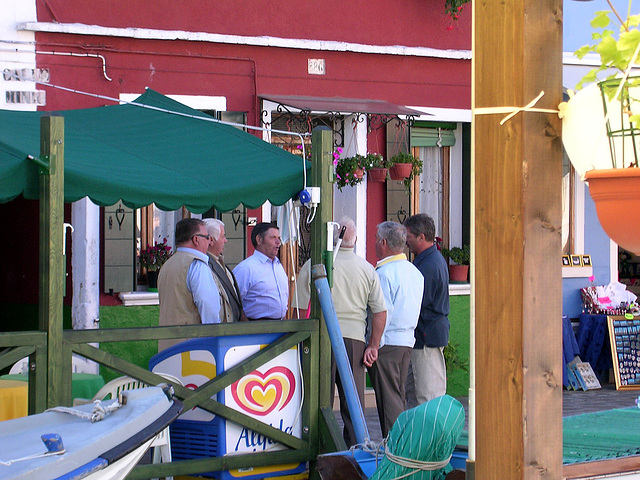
x,y
162,443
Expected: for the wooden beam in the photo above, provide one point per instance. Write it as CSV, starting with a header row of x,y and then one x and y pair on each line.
x,y
51,258
517,247
322,176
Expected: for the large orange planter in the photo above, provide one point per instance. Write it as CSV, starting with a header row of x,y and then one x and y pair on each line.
x,y
616,193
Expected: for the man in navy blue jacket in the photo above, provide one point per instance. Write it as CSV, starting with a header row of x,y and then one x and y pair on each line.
x,y
428,374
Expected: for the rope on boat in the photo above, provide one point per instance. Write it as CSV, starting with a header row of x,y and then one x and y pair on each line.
x,y
415,465
99,410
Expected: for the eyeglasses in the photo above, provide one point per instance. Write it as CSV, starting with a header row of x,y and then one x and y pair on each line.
x,y
203,236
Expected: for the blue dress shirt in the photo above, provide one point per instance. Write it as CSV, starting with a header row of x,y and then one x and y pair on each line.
x,y
202,286
263,286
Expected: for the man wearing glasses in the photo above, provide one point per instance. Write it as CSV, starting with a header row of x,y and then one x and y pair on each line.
x,y
188,294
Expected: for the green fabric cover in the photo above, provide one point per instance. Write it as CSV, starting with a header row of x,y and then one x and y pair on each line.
x,y
141,155
601,435
429,433
596,436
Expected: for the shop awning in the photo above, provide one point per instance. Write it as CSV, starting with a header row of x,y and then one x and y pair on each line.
x,y
340,105
141,155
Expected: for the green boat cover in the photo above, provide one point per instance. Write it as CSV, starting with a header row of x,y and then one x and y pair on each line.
x,y
145,155
427,433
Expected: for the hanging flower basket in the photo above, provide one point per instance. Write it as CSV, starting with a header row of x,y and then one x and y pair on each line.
x,y
377,174
616,193
400,171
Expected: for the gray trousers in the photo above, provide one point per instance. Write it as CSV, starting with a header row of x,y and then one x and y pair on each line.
x,y
388,377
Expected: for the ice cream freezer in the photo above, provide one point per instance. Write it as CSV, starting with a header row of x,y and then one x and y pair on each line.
x,y
272,394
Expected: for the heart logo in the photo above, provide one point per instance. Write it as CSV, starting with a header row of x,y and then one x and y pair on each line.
x,y
260,394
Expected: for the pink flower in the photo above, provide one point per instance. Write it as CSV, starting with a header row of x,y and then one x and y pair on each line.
x,y
335,162
592,278
339,149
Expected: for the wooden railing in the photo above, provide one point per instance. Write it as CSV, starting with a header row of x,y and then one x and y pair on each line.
x,y
302,333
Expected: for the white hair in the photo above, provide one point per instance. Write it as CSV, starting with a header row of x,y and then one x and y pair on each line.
x,y
214,227
349,239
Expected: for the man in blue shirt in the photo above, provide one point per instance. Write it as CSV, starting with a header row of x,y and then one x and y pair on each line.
x,y
262,281
402,286
428,373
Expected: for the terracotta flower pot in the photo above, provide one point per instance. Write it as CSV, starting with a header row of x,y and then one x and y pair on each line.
x,y
359,173
616,193
400,171
377,174
458,273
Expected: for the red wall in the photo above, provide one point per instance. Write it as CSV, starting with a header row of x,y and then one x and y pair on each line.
x,y
383,22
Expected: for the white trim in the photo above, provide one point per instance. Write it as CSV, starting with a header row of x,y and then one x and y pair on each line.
x,y
261,41
578,215
577,272
459,289
613,261
197,102
132,299
443,114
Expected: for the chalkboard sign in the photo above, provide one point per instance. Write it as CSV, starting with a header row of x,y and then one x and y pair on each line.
x,y
624,335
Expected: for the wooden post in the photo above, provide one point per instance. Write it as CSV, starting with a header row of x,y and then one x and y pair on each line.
x,y
51,258
517,269
321,176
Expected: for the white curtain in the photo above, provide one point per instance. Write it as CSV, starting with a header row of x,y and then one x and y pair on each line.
x,y
431,185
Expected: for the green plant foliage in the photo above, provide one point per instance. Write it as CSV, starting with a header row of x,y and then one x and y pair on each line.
x,y
375,160
345,171
616,52
461,256
454,7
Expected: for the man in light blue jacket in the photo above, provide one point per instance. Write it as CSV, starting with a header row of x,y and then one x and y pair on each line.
x,y
402,285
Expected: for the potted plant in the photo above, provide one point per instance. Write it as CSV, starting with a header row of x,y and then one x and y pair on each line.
x,y
459,271
405,167
376,167
600,126
151,259
349,171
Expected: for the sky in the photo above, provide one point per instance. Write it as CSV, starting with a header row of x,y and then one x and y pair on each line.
x,y
578,14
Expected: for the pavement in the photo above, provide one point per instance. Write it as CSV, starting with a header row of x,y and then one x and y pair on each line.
x,y
573,403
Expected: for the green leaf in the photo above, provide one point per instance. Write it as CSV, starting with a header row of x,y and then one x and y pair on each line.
x,y
583,51
601,20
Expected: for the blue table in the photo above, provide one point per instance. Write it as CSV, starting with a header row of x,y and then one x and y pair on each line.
x,y
569,347
593,342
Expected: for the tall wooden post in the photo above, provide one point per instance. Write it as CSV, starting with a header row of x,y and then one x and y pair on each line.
x,y
51,258
517,276
322,176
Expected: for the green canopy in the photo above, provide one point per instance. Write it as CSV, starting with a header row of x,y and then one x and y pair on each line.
x,y
142,155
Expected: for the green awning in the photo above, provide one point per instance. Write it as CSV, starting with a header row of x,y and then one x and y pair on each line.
x,y
142,156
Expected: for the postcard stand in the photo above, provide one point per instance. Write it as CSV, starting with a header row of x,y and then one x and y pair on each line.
x,y
624,336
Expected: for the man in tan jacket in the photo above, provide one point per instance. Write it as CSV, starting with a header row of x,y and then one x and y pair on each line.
x,y
230,303
187,291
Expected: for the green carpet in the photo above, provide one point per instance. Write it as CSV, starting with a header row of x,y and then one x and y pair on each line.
x,y
601,435
595,436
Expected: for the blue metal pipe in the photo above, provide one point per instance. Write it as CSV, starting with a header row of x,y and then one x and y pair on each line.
x,y
319,275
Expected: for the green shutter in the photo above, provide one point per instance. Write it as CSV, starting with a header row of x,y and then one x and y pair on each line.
x,y
428,137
